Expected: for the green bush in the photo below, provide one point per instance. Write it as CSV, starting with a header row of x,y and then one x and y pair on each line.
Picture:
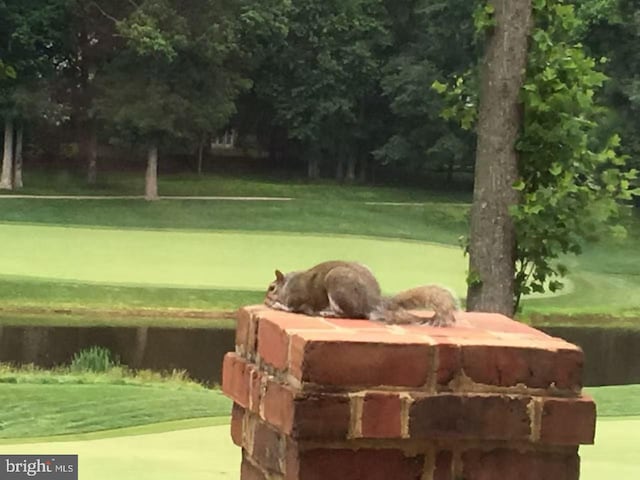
x,y
94,359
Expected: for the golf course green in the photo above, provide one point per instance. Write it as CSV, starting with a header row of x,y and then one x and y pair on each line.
x,y
226,260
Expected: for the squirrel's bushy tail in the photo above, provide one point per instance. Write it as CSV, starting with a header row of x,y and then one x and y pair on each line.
x,y
441,300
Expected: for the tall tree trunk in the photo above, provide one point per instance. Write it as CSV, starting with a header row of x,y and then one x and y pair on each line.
x,y
340,168
17,175
450,166
91,150
151,179
351,168
7,157
362,173
201,144
492,240
313,164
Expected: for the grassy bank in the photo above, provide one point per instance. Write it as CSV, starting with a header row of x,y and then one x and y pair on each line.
x,y
40,403
39,410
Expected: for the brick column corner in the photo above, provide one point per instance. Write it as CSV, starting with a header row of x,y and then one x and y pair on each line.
x,y
491,399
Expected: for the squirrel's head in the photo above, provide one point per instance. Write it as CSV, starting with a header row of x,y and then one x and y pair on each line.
x,y
275,291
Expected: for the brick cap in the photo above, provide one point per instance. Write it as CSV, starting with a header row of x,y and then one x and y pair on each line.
x,y
484,348
472,328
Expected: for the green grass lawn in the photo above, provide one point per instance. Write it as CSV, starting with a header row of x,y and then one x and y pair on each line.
x,y
194,454
180,450
47,408
205,453
62,182
218,255
43,410
33,415
57,267
616,401
615,453
434,222
222,260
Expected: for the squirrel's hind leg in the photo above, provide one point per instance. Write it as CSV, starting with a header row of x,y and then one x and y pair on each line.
x,y
333,311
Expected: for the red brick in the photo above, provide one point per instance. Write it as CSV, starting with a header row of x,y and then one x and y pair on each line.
x,y
381,416
278,406
509,365
356,324
494,322
237,418
471,416
321,417
323,464
443,468
567,421
345,362
502,464
569,364
273,344
292,463
448,362
249,472
268,449
255,389
246,331
235,379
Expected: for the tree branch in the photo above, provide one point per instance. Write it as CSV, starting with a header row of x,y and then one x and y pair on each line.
x,y
105,14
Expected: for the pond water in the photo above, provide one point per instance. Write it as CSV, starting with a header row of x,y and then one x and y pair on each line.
x,y
613,355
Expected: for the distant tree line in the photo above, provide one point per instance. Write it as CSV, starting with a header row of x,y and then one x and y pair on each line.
x,y
337,85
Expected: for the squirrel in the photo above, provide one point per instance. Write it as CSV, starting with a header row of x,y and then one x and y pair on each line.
x,y
341,289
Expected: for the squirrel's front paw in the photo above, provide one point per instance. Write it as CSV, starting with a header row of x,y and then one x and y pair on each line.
x,y
440,321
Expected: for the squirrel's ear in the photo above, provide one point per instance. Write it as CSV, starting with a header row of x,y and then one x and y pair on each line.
x,y
279,276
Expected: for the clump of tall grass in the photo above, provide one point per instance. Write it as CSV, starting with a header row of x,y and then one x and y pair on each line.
x,y
94,359
95,365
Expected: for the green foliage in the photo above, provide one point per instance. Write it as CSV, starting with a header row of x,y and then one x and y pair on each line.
x,y
432,40
612,31
178,73
155,29
94,359
571,184
483,17
462,99
6,71
320,77
30,45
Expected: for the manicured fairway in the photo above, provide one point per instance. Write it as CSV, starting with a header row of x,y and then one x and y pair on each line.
x,y
206,453
226,260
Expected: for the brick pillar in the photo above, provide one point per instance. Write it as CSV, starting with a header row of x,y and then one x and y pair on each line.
x,y
491,399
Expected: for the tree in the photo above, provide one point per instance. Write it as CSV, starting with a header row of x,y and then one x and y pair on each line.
x,y
492,245
90,42
611,30
175,76
431,40
568,183
6,178
321,78
30,36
